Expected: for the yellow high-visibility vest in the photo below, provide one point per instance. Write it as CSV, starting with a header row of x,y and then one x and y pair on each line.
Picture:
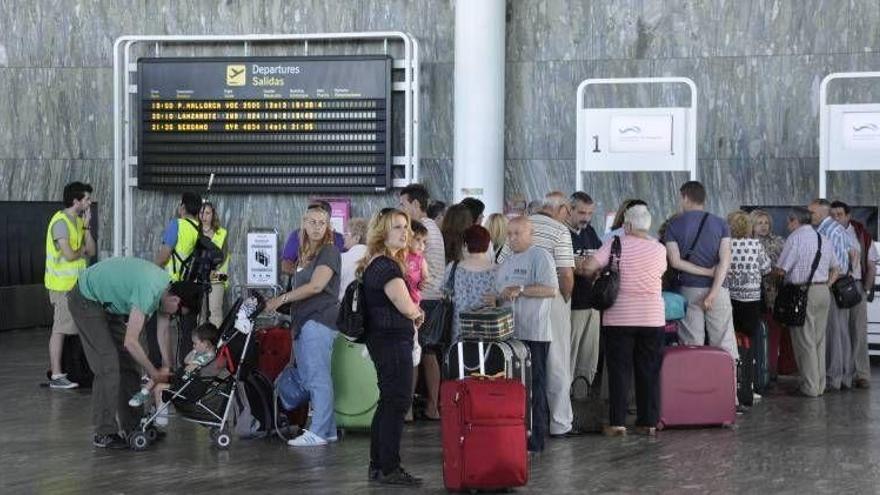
x,y
218,239
187,236
61,275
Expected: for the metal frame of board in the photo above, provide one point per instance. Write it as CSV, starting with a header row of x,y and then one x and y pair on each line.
x,y
827,159
125,180
690,156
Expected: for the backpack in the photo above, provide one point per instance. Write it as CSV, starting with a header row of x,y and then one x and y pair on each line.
x,y
254,407
204,253
351,321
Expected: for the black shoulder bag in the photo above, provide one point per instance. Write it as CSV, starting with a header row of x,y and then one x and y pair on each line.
x,y
790,307
438,324
846,291
607,285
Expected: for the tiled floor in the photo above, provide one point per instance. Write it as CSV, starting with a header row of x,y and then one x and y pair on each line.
x,y
784,445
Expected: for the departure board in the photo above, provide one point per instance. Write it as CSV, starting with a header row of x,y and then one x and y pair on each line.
x,y
265,124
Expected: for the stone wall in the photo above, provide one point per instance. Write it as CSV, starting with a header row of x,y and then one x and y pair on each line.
x,y
757,63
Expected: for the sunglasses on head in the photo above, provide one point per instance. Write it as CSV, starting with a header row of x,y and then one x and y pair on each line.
x,y
318,206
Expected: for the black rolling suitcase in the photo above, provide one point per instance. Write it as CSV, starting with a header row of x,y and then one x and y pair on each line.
x,y
509,359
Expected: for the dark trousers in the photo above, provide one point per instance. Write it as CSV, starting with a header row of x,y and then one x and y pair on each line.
x,y
540,409
117,375
394,364
747,317
627,348
185,325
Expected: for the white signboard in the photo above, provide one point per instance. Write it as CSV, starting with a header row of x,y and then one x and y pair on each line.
x,y
861,130
641,134
262,258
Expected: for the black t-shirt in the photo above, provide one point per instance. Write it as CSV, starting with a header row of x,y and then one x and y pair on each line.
x,y
383,319
587,239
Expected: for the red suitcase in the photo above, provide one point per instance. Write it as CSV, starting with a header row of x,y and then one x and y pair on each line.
x,y
275,347
483,426
697,387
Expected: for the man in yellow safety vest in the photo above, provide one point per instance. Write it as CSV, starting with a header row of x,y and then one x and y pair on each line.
x,y
178,243
69,243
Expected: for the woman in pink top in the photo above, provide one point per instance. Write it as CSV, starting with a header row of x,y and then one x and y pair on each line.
x,y
633,326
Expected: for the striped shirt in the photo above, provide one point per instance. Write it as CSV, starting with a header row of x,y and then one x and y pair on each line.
x,y
436,257
798,253
639,302
550,235
840,242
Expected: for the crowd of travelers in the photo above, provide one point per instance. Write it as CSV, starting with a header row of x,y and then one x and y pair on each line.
x,y
541,262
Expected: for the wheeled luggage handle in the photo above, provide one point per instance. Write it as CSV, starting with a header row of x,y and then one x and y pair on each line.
x,y
482,358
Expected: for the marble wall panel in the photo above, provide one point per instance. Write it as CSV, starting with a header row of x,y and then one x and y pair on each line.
x,y
64,33
532,179
18,28
548,30
782,27
864,32
675,28
56,113
436,84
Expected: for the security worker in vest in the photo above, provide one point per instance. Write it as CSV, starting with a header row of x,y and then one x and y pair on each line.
x,y
178,243
110,303
219,278
69,244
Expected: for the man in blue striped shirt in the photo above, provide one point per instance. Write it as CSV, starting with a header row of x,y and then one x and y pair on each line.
x,y
838,348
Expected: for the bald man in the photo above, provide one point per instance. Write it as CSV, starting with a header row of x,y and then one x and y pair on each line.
x,y
527,282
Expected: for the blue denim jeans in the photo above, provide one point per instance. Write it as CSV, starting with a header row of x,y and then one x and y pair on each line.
x,y
312,350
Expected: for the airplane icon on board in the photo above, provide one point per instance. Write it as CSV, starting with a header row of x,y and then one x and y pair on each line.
x,y
235,75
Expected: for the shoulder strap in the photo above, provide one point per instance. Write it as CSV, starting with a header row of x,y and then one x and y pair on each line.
x,y
450,283
184,261
696,238
615,252
816,259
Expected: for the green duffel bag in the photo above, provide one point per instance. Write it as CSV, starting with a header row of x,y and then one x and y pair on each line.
x,y
355,385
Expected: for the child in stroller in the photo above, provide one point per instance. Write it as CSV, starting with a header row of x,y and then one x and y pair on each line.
x,y
200,360
200,395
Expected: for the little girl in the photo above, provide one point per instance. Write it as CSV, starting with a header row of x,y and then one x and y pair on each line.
x,y
416,266
204,340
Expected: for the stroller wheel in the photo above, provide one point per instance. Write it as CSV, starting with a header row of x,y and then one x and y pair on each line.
x,y
138,441
152,434
223,441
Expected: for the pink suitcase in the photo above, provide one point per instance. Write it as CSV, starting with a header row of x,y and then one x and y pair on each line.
x,y
697,387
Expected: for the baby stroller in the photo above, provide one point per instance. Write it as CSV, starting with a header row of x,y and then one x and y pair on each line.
x,y
208,400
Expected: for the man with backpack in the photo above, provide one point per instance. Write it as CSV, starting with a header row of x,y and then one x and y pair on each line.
x,y
178,244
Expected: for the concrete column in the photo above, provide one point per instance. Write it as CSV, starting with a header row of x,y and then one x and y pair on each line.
x,y
479,102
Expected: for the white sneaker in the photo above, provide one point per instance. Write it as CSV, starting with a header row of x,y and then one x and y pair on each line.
x,y
307,439
756,398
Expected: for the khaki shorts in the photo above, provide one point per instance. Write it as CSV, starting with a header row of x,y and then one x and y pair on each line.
x,y
63,321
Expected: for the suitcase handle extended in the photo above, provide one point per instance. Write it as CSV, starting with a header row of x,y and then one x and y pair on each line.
x,y
482,357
